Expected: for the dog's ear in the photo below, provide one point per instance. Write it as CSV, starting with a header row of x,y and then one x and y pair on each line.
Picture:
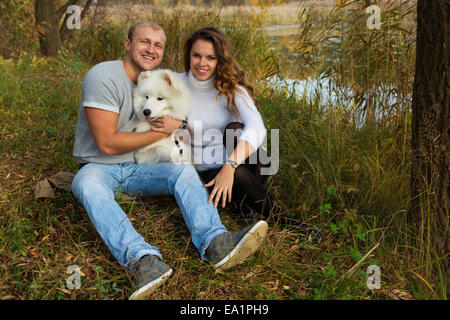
x,y
142,76
169,78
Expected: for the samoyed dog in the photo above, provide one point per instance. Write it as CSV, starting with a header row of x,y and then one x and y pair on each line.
x,y
158,93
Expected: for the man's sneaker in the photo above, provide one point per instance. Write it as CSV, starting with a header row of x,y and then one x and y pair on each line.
x,y
229,249
149,274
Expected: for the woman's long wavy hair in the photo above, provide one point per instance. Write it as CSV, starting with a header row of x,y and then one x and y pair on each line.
x,y
228,72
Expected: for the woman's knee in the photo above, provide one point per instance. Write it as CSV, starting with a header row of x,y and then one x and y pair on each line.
x,y
234,126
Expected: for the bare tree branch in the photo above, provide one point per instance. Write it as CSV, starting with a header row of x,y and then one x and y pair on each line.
x,y
86,9
64,7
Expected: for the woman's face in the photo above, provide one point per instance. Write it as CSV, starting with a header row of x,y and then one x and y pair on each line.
x,y
203,60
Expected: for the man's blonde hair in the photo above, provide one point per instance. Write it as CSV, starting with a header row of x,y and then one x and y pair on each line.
x,y
150,24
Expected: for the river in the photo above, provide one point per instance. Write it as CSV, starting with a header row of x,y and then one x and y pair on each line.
x,y
283,39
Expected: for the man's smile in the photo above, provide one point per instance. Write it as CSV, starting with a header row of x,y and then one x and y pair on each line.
x,y
148,57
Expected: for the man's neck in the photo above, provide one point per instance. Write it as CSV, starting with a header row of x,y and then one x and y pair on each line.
x,y
131,70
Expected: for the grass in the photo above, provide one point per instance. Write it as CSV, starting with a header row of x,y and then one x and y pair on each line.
x,y
349,181
40,239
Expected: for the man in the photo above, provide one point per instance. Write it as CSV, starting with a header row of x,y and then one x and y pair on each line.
x,y
107,166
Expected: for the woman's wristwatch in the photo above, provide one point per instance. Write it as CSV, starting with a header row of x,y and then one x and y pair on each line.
x,y
233,163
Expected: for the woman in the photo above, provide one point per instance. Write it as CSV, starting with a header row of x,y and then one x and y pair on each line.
x,y
221,99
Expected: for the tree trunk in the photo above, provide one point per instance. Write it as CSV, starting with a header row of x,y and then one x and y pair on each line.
x,y
47,23
4,47
430,186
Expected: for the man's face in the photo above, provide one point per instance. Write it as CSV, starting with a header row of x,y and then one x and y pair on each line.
x,y
146,49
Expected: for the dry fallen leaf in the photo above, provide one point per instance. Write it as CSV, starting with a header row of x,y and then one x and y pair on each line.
x,y
68,257
274,283
202,293
249,275
398,294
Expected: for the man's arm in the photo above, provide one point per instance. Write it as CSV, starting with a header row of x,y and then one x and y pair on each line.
x,y
103,126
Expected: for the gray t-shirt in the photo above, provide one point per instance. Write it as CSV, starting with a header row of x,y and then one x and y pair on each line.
x,y
106,86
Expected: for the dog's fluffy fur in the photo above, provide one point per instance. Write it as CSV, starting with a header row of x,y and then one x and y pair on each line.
x,y
158,93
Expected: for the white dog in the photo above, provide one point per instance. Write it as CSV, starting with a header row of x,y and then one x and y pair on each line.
x,y
158,93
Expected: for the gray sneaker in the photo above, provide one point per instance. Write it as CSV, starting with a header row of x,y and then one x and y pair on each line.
x,y
149,274
229,249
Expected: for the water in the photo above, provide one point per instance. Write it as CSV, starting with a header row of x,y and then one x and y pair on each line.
x,y
322,88
281,30
283,38
327,92
309,88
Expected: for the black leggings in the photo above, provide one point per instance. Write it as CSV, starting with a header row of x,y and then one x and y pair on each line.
x,y
248,193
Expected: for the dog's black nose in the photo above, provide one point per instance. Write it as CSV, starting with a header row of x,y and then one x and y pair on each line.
x,y
147,112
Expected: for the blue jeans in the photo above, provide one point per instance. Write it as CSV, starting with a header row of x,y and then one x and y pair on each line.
x,y
96,184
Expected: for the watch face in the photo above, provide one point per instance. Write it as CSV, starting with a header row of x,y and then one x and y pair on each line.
x,y
233,164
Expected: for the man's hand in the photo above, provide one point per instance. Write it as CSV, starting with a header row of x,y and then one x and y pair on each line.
x,y
165,124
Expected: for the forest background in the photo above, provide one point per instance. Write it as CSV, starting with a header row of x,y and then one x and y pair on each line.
x,y
335,79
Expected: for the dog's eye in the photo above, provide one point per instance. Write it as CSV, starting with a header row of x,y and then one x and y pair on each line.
x,y
146,97
160,98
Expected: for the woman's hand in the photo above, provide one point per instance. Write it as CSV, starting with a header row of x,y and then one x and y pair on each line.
x,y
223,185
165,124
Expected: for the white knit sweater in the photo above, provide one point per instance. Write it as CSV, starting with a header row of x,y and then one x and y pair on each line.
x,y
208,118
